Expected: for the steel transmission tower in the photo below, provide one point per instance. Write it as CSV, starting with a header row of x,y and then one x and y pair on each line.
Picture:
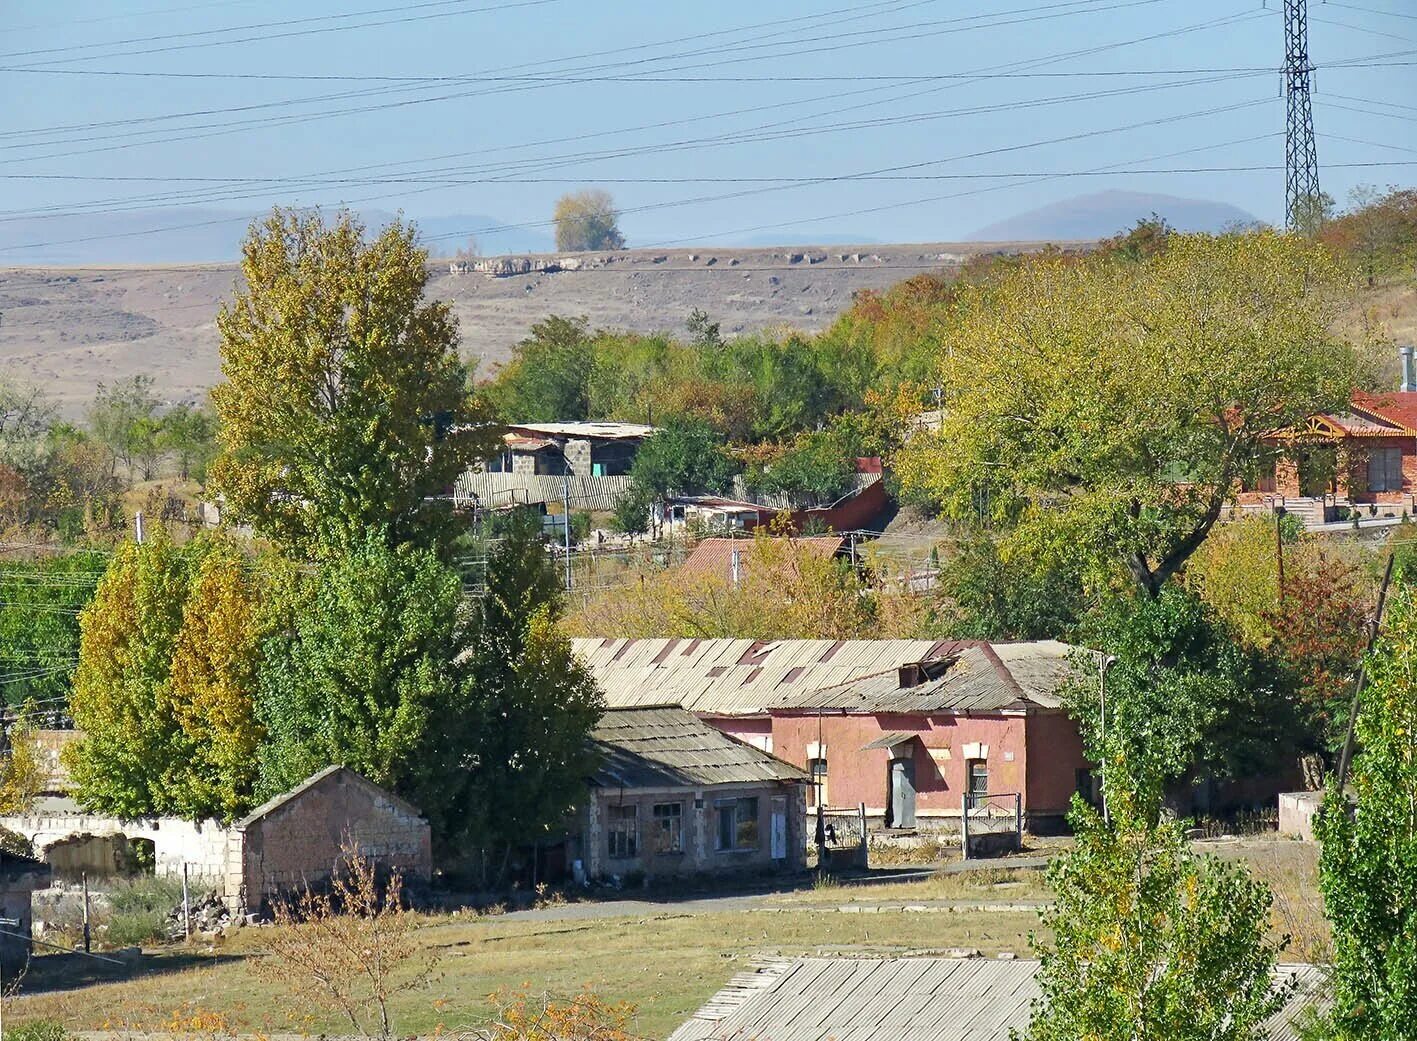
x,y
1302,205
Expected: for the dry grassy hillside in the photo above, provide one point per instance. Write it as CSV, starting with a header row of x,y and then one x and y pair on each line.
x,y
70,328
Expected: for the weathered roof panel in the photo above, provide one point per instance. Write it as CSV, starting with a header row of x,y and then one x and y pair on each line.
x,y
905,999
666,747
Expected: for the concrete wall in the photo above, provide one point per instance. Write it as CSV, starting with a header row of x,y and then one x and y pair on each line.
x,y
299,842
699,828
1296,813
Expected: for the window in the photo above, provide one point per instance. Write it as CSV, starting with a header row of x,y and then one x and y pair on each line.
x,y
500,464
669,827
737,823
818,769
622,831
1385,470
978,781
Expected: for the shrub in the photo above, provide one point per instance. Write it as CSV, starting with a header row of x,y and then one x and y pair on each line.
x,y
139,910
38,1030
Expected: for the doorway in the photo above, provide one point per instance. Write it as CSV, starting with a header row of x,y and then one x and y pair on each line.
x,y
900,793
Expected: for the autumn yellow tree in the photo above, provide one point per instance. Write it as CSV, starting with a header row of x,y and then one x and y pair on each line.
x,y
1109,408
345,408
587,220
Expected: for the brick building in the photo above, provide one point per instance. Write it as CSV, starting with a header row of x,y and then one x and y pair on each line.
x,y
674,796
909,728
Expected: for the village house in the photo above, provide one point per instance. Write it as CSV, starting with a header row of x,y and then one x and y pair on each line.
x,y
913,729
915,999
295,839
674,796
20,876
1363,457
541,462
860,507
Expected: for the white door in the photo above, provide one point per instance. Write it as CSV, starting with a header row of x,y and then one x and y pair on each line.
x,y
779,829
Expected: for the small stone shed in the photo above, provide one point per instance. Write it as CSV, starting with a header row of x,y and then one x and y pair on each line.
x,y
297,839
294,839
20,876
674,796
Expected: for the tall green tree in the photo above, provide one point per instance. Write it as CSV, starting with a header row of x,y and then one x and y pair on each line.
x,y
344,407
1151,941
40,603
1184,698
516,752
1108,408
1368,863
364,673
549,377
124,419
682,458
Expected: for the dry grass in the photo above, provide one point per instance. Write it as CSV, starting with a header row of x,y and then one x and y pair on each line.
x,y
667,965
986,886
1291,869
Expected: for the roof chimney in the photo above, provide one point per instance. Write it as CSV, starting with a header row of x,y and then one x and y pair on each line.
x,y
1409,376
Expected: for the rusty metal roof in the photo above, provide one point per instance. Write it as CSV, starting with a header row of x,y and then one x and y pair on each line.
x,y
670,748
747,677
905,999
715,556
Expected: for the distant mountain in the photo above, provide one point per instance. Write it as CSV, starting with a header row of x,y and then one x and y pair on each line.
x,y
194,235
1102,214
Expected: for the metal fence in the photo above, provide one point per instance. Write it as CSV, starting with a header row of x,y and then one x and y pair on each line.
x,y
991,825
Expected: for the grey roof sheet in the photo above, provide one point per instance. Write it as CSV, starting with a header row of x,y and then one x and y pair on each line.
x,y
747,677
670,747
902,999
978,678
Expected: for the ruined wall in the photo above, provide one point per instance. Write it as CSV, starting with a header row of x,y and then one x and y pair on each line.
x,y
201,845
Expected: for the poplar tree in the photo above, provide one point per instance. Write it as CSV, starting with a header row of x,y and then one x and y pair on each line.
x,y
1368,864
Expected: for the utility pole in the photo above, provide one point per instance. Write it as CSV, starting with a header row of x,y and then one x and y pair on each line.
x,y
1302,206
1279,512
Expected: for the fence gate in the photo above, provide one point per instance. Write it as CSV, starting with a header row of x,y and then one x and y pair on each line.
x,y
841,837
991,825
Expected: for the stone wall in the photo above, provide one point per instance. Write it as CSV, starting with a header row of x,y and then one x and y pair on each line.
x,y
298,841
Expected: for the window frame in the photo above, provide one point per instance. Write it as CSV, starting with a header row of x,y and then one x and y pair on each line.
x,y
670,824
973,769
744,811
818,790
1390,478
622,843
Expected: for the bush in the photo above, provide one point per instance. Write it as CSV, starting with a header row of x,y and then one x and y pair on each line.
x,y
38,1030
139,910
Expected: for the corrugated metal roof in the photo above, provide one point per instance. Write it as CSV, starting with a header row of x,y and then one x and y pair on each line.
x,y
737,677
671,747
581,428
747,677
903,999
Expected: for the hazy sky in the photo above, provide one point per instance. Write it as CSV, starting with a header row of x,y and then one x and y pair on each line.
x,y
673,105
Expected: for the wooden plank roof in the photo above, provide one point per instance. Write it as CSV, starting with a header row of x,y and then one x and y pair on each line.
x,y
904,999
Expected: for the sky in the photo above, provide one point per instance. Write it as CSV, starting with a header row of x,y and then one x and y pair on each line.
x,y
885,120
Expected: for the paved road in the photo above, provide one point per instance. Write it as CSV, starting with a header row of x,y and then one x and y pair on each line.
x,y
771,901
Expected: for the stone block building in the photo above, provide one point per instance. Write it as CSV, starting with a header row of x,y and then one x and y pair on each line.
x,y
19,878
675,796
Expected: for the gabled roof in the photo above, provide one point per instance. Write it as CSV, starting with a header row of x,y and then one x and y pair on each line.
x,y
748,677
906,999
1396,408
715,556
667,747
314,781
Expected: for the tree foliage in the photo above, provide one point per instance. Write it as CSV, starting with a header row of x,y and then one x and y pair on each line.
x,y
681,459
1183,697
1108,408
364,672
163,690
516,748
1368,863
1151,941
587,220
40,602
344,407
989,596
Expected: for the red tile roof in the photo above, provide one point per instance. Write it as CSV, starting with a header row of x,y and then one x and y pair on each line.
x,y
1398,407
